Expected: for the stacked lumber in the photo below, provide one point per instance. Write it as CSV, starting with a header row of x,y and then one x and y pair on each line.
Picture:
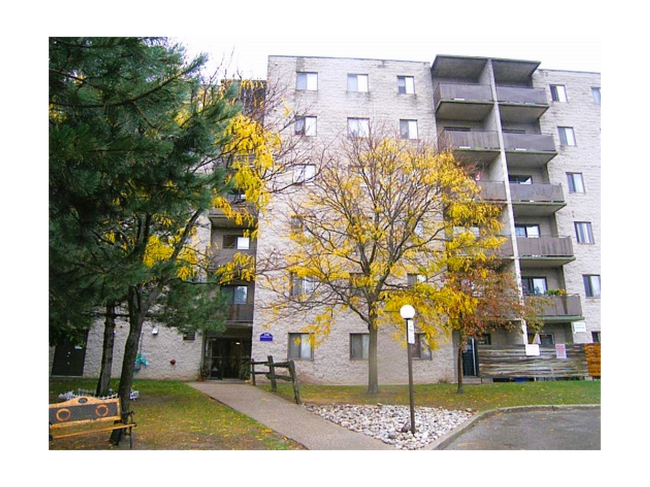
x,y
592,351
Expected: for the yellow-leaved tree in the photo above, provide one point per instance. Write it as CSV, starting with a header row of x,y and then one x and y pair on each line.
x,y
373,232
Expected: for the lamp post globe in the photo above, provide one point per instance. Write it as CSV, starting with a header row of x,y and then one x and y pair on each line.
x,y
407,312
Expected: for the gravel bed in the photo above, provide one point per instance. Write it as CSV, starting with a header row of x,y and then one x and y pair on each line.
x,y
391,424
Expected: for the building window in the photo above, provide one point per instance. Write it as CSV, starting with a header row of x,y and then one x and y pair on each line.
x,y
302,285
546,339
576,182
595,336
408,129
405,85
236,242
358,127
567,136
484,339
243,243
558,93
527,231
583,232
414,279
358,82
421,348
359,346
535,286
595,92
304,174
592,285
301,346
306,126
235,294
307,81
190,336
521,180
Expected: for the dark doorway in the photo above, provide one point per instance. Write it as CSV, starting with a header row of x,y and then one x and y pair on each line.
x,y
69,358
230,358
470,359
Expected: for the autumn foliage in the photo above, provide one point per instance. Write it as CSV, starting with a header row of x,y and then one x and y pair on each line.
x,y
376,229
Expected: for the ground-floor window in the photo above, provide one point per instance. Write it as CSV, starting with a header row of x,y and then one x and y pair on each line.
x,y
595,336
421,348
359,346
301,346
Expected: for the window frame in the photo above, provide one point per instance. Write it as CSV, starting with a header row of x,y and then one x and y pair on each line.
x,y
555,94
409,123
420,345
406,85
359,134
356,77
304,338
564,141
594,90
547,335
589,288
572,184
306,127
589,233
310,81
300,175
532,279
365,346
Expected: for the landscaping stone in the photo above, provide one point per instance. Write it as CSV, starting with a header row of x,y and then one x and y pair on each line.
x,y
391,424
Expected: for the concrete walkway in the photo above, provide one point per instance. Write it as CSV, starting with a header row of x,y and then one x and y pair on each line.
x,y
288,419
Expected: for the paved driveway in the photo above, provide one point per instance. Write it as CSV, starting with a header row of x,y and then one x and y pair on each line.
x,y
562,429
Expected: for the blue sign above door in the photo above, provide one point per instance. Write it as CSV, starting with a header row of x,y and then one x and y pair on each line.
x,y
266,337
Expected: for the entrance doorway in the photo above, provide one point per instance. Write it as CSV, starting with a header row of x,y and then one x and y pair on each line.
x,y
69,358
470,359
229,358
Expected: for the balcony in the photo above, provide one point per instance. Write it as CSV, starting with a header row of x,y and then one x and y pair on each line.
x,y
239,204
240,313
463,101
222,256
561,308
544,251
536,199
505,251
493,191
528,150
472,147
521,104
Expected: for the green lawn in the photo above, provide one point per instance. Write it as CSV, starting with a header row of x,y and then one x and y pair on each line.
x,y
171,415
478,397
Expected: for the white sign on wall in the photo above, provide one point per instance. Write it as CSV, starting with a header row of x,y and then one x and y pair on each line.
x,y
579,327
532,350
560,350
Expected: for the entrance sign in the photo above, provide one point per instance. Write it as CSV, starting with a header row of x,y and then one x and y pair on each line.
x,y
560,350
266,337
579,327
532,350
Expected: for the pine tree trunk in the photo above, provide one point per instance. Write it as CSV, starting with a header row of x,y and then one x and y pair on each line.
x,y
373,378
104,382
136,320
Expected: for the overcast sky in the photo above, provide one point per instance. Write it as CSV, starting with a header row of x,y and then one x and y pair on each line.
x,y
248,55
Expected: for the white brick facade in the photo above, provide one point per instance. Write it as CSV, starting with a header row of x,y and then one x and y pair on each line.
x,y
332,105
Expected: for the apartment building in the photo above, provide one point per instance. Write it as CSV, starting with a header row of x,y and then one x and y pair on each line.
x,y
532,136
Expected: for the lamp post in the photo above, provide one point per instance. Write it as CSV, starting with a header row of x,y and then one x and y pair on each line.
x,y
408,312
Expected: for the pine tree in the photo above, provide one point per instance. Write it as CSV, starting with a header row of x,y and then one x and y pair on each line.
x,y
136,138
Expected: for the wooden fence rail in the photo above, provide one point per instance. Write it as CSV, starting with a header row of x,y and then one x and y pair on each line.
x,y
273,377
512,361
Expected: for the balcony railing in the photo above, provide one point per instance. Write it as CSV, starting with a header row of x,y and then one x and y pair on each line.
x,y
492,190
240,313
561,305
452,139
529,142
536,193
545,247
221,256
520,94
462,92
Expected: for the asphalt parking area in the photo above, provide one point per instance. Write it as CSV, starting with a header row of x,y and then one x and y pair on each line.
x,y
562,429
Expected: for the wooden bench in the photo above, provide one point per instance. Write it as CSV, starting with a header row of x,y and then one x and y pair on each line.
x,y
80,415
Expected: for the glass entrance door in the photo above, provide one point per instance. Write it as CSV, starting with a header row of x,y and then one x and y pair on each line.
x,y
230,358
